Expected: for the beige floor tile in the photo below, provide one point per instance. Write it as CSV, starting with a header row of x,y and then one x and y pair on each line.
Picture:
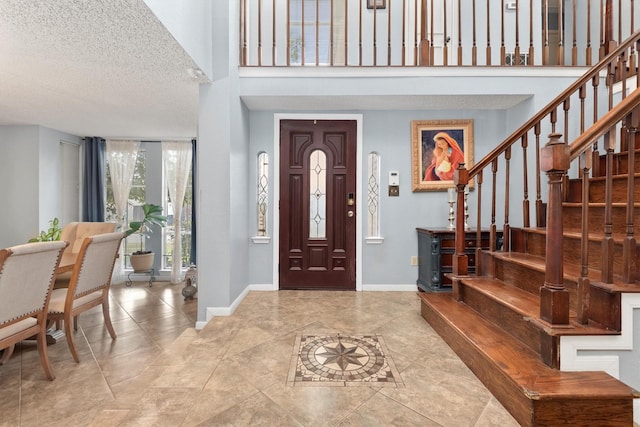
x,y
161,371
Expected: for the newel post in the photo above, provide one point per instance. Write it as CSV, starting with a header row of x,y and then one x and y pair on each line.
x,y
554,297
460,259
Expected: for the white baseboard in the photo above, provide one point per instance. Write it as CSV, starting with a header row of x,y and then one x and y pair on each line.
x,y
261,287
390,288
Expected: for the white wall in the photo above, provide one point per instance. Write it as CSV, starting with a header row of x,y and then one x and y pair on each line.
x,y
191,25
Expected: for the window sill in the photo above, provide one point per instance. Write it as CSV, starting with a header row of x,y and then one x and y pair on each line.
x,y
261,240
374,240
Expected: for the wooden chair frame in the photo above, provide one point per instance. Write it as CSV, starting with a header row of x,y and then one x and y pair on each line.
x,y
27,275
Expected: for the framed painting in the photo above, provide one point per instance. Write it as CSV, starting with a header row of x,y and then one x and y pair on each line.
x,y
438,147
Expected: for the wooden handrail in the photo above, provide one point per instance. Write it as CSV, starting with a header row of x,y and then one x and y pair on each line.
x,y
593,73
602,126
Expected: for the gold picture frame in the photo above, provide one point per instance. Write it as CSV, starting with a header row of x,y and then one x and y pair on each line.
x,y
433,167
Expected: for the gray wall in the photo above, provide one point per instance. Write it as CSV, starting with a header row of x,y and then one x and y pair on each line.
x,y
389,134
30,171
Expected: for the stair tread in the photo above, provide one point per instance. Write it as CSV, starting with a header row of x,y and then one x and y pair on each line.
x,y
517,361
574,234
571,271
528,305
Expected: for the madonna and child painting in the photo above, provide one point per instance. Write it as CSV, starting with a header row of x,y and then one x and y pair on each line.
x,y
439,146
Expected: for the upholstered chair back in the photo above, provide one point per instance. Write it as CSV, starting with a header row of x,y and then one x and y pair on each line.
x,y
75,233
26,275
96,258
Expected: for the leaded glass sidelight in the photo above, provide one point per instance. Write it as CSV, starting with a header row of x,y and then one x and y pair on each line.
x,y
317,195
263,192
373,195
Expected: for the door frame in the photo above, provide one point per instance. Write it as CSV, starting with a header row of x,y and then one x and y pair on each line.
x,y
276,187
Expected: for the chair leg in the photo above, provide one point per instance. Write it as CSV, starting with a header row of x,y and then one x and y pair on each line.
x,y
41,342
70,340
7,354
107,318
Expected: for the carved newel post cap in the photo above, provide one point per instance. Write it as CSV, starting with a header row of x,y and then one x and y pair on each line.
x,y
555,155
461,175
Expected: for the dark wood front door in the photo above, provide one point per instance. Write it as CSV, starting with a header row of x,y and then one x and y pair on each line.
x,y
317,204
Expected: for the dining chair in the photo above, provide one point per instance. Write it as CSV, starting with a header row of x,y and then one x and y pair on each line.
x,y
26,281
75,233
88,286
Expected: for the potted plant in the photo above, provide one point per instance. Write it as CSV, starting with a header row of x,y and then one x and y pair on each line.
x,y
52,234
142,260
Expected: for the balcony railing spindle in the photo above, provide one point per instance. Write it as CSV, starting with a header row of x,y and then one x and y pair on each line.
x,y
503,50
588,57
517,48
574,46
474,45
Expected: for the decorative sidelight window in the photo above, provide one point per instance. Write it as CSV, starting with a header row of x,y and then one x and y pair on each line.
x,y
263,192
317,195
373,195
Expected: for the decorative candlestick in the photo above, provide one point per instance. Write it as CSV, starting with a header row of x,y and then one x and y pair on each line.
x,y
466,208
452,200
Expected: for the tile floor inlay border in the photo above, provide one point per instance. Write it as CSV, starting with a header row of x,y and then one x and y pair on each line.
x,y
339,360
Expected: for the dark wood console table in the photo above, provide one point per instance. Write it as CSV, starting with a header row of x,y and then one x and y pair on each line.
x,y
436,247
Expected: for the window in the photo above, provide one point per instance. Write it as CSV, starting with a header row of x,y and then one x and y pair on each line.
x,y
148,185
169,231
309,32
137,197
317,195
373,195
263,193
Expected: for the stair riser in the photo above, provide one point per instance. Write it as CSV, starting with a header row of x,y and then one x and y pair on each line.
x,y
620,163
597,190
572,248
529,279
619,194
501,315
623,165
572,219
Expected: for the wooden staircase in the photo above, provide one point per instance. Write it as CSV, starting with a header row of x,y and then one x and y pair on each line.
x,y
564,277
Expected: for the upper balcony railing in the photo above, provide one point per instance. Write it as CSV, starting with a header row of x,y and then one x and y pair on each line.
x,y
409,33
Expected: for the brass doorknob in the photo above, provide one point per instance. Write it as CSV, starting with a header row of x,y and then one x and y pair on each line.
x,y
350,214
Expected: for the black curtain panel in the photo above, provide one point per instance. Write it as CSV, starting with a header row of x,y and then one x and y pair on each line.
x,y
93,195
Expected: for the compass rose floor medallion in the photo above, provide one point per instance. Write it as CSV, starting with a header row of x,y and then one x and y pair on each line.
x,y
338,360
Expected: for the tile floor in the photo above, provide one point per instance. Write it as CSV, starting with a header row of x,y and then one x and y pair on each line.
x,y
234,372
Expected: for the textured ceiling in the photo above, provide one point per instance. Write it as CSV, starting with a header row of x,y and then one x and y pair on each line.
x,y
94,68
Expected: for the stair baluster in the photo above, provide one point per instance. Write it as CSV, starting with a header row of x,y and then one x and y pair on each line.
x,y
505,228
607,239
629,244
582,309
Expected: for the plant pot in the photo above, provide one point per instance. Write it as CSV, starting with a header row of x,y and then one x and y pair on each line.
x,y
142,262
